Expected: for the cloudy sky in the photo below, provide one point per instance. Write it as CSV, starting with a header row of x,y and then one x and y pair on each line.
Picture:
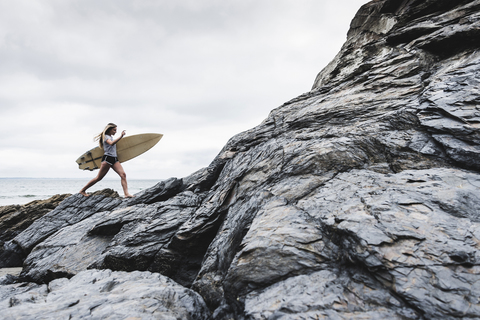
x,y
198,71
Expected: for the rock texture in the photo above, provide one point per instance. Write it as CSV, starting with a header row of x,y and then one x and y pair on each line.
x,y
357,200
103,294
16,218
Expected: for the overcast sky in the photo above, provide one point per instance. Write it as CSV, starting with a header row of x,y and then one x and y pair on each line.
x,y
198,71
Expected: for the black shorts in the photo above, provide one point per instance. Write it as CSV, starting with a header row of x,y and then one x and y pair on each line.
x,y
109,159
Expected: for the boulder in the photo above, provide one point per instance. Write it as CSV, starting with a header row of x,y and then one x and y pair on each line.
x,y
14,219
127,239
103,294
22,230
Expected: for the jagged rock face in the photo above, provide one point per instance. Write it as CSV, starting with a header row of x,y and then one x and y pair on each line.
x,y
16,218
359,199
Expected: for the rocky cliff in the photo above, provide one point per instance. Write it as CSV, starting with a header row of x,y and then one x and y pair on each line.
x,y
357,200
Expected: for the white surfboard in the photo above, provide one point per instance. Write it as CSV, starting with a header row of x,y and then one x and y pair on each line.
x,y
128,148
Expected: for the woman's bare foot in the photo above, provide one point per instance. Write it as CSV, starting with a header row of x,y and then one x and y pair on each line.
x,y
83,193
129,196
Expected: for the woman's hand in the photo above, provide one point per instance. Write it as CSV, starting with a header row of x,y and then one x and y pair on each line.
x,y
110,142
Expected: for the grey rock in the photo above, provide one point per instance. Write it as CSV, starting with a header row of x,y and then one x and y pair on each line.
x,y
103,294
359,199
125,239
15,219
74,209
335,295
160,192
414,230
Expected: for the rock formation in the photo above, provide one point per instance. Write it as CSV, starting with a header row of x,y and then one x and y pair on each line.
x,y
16,218
357,200
103,294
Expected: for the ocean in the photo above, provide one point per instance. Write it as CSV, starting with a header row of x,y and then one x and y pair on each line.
x,y
24,190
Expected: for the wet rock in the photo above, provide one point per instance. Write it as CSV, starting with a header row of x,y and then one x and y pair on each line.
x,y
160,192
128,238
416,231
103,294
16,218
23,219
358,199
396,122
74,209
335,295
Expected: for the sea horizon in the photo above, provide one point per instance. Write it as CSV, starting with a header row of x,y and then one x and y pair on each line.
x,y
22,190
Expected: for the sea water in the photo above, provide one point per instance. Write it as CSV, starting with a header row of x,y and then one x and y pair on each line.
x,y
24,190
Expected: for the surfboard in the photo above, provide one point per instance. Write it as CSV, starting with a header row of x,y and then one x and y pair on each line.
x,y
128,148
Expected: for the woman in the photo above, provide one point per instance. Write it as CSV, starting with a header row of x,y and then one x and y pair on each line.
x,y
109,160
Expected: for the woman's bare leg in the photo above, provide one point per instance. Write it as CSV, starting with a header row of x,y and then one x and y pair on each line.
x,y
117,167
101,173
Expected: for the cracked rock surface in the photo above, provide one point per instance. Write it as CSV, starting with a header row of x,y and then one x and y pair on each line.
x,y
103,294
357,200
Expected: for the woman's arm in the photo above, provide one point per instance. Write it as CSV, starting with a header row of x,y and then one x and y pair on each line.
x,y
112,142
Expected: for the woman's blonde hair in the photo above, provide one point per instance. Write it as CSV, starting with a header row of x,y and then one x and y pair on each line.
x,y
101,136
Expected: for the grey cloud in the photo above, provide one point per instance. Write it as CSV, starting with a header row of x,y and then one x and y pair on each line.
x,y
176,67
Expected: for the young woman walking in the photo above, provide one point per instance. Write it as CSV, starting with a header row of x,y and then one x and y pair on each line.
x,y
109,160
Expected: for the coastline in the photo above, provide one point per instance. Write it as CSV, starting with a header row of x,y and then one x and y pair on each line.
x,y
11,271
21,191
